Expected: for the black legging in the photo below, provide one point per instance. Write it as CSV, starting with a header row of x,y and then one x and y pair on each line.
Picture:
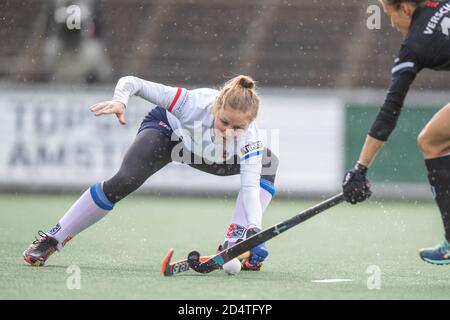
x,y
152,150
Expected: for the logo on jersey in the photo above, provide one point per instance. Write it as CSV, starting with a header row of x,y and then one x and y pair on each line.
x,y
251,147
165,125
433,4
55,229
440,18
66,240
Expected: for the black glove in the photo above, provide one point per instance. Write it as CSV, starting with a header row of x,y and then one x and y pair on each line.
x,y
356,186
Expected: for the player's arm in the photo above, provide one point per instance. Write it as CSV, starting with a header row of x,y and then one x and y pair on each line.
x,y
251,166
250,178
370,150
356,186
161,95
387,117
250,153
248,202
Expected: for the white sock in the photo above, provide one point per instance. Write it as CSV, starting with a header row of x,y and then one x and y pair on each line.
x,y
239,221
92,206
266,194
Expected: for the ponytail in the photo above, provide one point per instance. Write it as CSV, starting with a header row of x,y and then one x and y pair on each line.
x,y
239,94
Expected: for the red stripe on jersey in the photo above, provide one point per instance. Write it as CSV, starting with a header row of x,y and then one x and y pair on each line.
x,y
174,102
432,4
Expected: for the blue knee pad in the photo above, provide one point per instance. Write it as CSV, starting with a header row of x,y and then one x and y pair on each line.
x,y
268,186
100,198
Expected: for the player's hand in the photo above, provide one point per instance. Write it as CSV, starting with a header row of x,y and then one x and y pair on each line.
x,y
110,107
356,186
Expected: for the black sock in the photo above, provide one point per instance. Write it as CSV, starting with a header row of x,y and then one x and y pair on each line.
x,y
439,177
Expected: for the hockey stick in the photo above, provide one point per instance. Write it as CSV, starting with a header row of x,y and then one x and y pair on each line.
x,y
226,255
170,268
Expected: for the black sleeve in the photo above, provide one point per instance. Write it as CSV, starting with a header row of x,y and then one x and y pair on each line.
x,y
403,74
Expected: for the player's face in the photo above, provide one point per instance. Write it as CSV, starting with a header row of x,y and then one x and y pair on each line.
x,y
400,18
229,124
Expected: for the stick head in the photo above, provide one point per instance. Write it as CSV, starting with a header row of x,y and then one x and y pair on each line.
x,y
194,260
165,267
200,265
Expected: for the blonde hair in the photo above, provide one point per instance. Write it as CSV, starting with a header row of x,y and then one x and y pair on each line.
x,y
239,94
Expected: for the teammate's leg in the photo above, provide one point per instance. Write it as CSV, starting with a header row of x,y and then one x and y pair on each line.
x,y
434,141
150,151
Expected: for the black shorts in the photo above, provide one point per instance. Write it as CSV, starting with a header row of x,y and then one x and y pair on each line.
x,y
157,119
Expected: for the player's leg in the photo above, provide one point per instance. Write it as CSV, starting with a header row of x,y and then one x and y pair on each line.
x,y
149,154
150,151
434,141
237,229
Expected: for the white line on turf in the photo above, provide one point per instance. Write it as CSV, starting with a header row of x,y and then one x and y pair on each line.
x,y
332,280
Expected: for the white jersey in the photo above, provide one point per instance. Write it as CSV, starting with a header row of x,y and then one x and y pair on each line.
x,y
190,116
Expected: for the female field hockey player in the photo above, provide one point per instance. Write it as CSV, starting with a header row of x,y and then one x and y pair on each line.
x,y
426,27
212,131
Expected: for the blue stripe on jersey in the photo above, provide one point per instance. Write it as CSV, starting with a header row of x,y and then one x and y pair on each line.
x,y
268,186
100,198
253,154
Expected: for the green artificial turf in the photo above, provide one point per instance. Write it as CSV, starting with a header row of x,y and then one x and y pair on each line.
x,y
120,257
